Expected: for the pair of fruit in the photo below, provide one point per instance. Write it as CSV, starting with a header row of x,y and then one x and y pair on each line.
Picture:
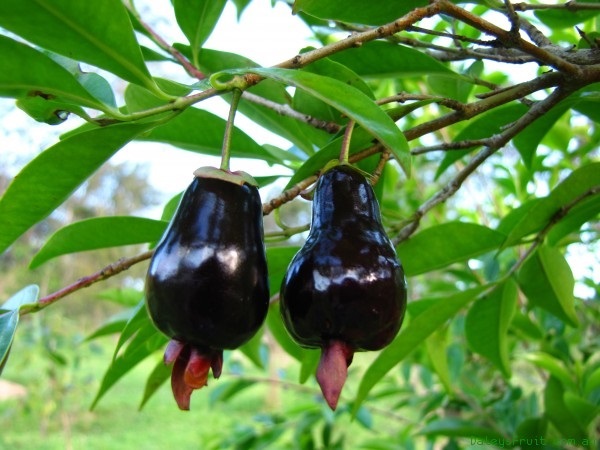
x,y
207,285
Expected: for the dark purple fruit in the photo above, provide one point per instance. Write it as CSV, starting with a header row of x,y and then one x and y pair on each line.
x,y
207,286
345,290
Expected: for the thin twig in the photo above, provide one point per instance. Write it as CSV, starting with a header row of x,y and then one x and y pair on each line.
x,y
556,217
286,110
569,6
187,65
107,272
493,143
507,37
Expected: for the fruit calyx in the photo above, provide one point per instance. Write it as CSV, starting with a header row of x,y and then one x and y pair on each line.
x,y
336,357
191,366
238,177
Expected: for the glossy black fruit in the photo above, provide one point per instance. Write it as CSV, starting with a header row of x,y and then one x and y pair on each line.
x,y
345,290
207,285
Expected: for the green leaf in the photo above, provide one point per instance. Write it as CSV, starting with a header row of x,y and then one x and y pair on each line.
x,y
26,297
482,126
202,132
583,411
311,106
51,112
528,140
576,184
308,364
436,345
554,366
48,80
252,350
379,59
138,319
124,363
547,281
112,326
360,138
441,245
487,322
557,412
561,19
377,12
583,212
8,327
411,336
348,100
98,33
156,379
280,334
197,20
278,260
99,232
44,183
10,319
302,135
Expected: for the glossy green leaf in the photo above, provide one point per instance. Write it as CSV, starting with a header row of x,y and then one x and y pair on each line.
x,y
156,379
557,412
197,19
302,135
8,327
379,59
99,232
98,33
9,318
554,366
121,365
137,320
547,282
377,12
585,211
313,107
583,411
348,100
441,245
44,183
487,322
27,296
49,79
411,336
570,189
202,132
360,139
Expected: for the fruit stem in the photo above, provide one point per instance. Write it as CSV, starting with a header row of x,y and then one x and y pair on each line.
x,y
226,150
345,150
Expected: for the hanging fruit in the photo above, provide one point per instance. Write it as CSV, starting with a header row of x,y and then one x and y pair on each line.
x,y
207,286
345,290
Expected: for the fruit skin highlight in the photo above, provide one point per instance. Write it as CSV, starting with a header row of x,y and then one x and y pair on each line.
x,y
207,283
345,290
